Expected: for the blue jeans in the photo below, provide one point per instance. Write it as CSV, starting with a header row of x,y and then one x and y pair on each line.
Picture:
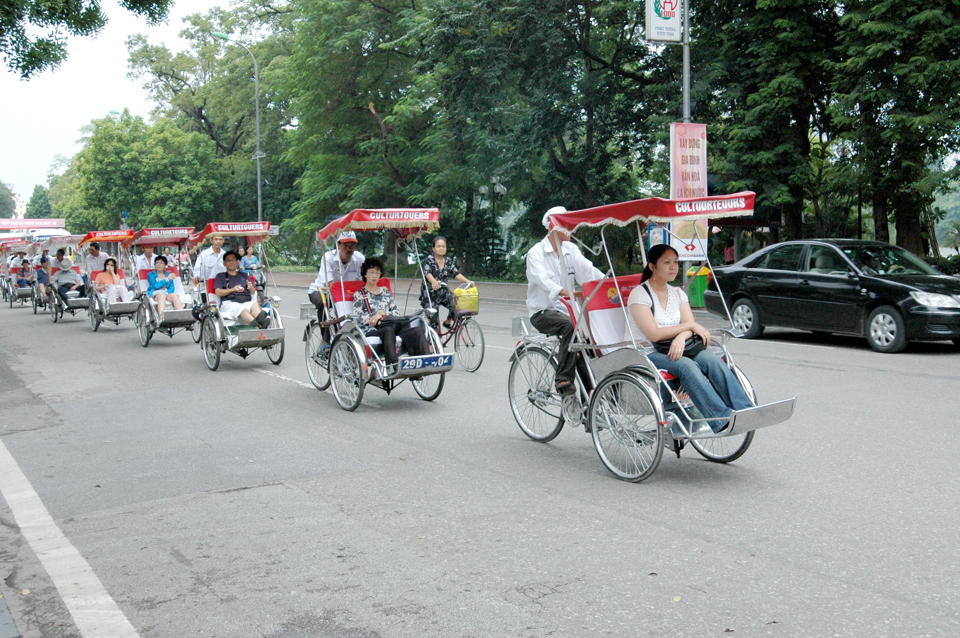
x,y
712,386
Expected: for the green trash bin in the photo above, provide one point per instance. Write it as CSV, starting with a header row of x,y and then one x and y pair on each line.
x,y
698,283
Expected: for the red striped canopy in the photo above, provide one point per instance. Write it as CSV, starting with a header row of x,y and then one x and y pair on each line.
x,y
106,236
407,221
656,209
253,231
160,236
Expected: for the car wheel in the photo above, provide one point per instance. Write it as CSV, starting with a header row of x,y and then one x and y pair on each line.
x,y
746,319
885,330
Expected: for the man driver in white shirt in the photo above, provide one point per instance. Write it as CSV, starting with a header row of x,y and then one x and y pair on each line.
x,y
209,261
547,284
342,263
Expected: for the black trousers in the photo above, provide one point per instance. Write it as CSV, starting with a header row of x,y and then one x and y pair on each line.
x,y
316,298
413,337
554,322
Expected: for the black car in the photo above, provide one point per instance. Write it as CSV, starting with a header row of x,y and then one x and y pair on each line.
x,y
847,286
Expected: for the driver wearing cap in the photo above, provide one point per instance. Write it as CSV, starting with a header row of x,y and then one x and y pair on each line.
x,y
342,263
547,283
65,279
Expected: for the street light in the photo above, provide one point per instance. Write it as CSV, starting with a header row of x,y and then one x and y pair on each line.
x,y
256,98
499,190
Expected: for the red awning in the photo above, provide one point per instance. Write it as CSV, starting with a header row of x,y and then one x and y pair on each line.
x,y
106,236
407,221
657,209
160,236
254,231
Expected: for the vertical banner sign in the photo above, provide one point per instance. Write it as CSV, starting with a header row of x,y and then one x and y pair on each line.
x,y
688,178
663,21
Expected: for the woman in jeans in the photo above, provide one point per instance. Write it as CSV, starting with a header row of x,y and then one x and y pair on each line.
x,y
661,312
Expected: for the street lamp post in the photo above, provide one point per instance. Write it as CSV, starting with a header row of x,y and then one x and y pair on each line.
x,y
499,190
256,97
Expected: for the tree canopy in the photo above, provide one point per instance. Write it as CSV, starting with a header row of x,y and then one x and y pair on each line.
x,y
33,32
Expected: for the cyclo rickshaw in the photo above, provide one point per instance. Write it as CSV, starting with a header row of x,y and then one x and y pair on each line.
x,y
76,300
147,316
98,310
218,334
355,359
11,291
632,410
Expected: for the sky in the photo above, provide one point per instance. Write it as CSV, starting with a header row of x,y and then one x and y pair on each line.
x,y
41,117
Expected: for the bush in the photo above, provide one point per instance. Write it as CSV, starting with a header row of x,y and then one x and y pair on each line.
x,y
946,265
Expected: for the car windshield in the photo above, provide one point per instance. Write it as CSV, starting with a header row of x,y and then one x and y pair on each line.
x,y
888,260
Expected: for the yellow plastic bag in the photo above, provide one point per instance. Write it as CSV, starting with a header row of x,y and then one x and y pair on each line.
x,y
468,300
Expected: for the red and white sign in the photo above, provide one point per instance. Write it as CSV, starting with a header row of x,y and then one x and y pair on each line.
x,y
688,178
407,221
664,20
28,224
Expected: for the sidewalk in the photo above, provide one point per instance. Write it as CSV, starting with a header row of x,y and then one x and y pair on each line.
x,y
496,292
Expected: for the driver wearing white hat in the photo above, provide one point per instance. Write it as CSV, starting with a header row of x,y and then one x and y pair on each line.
x,y
548,282
341,263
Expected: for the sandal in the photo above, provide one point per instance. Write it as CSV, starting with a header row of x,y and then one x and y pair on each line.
x,y
566,387
448,324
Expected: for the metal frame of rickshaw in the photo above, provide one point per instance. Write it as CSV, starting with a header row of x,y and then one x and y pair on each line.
x,y
623,379
217,336
146,317
55,303
97,310
351,356
11,292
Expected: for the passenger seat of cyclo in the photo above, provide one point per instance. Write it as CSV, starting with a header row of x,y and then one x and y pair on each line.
x,y
144,273
123,279
342,294
605,311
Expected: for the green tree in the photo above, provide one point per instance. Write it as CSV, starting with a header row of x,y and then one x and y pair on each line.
x,y
769,89
950,235
897,97
7,205
39,206
33,33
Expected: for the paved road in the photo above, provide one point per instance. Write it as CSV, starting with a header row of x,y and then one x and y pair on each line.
x,y
246,503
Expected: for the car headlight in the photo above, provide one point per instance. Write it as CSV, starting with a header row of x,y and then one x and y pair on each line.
x,y
935,300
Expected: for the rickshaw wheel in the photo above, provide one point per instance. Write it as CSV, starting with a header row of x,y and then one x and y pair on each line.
x,y
318,365
728,448
428,387
535,404
625,418
195,331
143,325
211,347
275,352
94,319
346,375
469,344
53,310
34,302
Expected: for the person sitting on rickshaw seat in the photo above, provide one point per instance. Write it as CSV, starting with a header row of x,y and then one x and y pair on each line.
x,y
65,279
238,294
109,284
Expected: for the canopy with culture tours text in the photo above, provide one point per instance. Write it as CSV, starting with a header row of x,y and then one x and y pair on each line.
x,y
406,221
656,209
253,231
160,236
106,236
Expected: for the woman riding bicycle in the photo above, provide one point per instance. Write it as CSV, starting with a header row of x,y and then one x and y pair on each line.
x,y
662,312
438,268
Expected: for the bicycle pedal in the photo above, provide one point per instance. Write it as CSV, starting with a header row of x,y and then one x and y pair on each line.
x,y
573,412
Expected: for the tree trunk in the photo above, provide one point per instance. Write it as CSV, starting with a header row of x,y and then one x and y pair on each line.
x,y
909,228
881,230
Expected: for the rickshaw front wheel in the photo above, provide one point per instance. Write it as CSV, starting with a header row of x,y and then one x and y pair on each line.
x,y
346,375
625,417
535,404
428,387
728,448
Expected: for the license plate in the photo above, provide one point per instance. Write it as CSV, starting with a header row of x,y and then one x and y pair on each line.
x,y
426,362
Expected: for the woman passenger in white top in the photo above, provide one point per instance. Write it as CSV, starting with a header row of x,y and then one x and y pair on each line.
x,y
661,312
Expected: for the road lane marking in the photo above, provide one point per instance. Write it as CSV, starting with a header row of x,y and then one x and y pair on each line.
x,y
500,347
283,378
289,317
94,611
